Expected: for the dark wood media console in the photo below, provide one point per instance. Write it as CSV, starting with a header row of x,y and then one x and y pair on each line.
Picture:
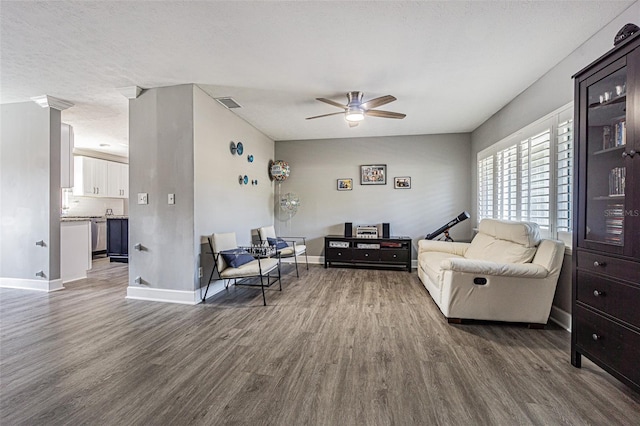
x,y
394,252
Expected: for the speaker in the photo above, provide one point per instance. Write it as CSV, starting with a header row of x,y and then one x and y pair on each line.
x,y
348,229
385,230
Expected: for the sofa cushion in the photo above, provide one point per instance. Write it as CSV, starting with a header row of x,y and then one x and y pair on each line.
x,y
289,250
504,242
430,263
526,234
251,269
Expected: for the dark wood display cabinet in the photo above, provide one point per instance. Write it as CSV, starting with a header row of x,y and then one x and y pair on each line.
x,y
394,252
606,243
118,239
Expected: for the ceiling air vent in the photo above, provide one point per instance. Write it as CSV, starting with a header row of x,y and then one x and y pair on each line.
x,y
228,102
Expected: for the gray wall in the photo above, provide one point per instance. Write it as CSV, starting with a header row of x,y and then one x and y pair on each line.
x,y
179,144
161,162
550,92
30,194
221,203
437,164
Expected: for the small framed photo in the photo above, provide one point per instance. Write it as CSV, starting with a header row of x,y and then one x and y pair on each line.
x,y
402,182
345,184
373,174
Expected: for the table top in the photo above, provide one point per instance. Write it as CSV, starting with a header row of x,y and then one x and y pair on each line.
x,y
260,250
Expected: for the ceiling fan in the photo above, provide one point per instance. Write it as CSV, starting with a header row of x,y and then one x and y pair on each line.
x,y
355,109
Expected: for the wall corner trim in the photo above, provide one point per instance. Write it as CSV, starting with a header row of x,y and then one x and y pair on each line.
x,y
46,101
130,92
28,284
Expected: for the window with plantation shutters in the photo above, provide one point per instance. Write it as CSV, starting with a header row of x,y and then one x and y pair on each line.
x,y
536,191
507,183
528,176
564,176
485,188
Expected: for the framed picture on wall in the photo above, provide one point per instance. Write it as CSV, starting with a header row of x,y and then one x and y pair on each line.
x,y
402,182
345,184
373,174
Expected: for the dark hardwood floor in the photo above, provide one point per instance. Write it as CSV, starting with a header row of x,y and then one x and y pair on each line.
x,y
335,347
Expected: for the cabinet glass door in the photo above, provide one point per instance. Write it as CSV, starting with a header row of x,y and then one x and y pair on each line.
x,y
606,174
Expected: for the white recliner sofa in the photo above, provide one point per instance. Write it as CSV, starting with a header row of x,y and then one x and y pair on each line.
x,y
507,273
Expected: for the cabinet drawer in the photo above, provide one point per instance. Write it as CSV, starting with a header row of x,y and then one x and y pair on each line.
x,y
387,255
615,299
339,254
618,268
366,255
610,343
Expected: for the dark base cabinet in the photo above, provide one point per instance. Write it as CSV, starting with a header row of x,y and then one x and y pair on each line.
x,y
394,252
118,240
606,217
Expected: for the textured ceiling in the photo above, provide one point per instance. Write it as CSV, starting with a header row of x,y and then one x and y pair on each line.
x,y
451,64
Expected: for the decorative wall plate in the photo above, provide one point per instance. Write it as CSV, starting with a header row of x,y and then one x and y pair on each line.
x,y
239,148
232,148
241,179
250,158
246,179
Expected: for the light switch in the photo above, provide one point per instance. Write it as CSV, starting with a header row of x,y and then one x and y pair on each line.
x,y
143,198
171,199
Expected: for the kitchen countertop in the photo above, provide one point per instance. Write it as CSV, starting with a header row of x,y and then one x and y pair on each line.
x,y
76,218
81,218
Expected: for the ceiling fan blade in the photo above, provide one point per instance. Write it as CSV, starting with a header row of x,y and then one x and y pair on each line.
x,y
382,100
353,123
325,115
384,114
330,102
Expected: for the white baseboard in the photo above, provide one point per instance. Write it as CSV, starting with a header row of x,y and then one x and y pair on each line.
x,y
314,260
560,317
72,279
184,297
36,285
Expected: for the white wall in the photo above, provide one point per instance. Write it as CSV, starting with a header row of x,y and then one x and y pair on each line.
x,y
30,194
437,164
221,203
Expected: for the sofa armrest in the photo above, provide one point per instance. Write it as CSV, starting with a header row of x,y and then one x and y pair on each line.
x,y
458,249
483,267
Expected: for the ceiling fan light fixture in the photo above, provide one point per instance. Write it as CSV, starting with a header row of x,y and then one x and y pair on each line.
x,y
354,114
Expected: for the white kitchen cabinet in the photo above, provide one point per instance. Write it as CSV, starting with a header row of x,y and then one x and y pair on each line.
x,y
66,156
90,177
118,179
75,249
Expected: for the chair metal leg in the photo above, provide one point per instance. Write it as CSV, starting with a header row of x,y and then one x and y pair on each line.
x,y
264,298
295,258
306,259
